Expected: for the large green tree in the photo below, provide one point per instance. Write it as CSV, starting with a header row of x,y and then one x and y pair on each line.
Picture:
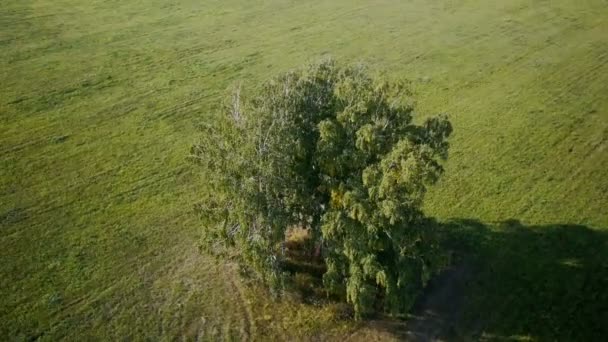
x,y
334,150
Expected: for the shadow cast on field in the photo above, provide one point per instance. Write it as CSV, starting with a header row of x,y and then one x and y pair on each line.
x,y
514,282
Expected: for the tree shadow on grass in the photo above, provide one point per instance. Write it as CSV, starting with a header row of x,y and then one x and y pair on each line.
x,y
515,282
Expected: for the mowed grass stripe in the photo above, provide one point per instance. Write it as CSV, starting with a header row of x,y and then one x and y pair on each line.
x,y
532,113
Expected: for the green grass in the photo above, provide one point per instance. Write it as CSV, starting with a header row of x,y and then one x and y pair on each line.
x,y
98,106
545,282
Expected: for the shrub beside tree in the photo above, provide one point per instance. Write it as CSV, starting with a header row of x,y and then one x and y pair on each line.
x,y
331,149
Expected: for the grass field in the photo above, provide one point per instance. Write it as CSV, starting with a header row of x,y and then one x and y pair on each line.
x,y
98,106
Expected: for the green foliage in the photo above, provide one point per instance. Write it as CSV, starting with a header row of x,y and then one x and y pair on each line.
x,y
336,151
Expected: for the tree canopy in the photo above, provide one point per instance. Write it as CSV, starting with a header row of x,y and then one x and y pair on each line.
x,y
334,150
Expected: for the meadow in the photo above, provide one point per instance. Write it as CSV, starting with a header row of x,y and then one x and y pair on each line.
x,y
99,104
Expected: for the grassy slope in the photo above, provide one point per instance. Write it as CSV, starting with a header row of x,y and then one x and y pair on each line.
x,y
98,101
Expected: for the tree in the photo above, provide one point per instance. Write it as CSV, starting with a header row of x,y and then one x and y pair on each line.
x,y
331,149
